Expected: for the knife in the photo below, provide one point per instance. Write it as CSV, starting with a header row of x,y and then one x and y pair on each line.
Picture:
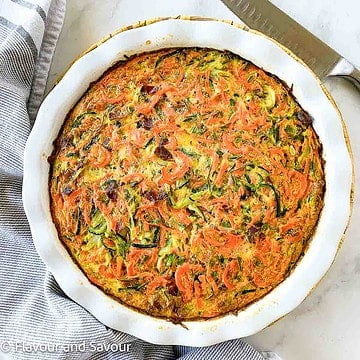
x,y
263,16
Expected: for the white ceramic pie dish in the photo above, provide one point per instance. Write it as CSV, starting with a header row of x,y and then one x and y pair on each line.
x,y
185,33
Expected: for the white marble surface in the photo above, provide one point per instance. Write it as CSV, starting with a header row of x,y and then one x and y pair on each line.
x,y
327,324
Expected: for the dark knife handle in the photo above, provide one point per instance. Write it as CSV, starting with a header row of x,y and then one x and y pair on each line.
x,y
348,71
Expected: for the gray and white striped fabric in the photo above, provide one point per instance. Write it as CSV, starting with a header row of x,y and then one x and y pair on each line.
x,y
37,320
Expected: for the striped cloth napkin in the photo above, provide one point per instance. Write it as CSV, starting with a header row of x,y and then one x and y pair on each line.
x,y
37,320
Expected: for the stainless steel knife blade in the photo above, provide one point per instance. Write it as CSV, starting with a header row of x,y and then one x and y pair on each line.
x,y
265,17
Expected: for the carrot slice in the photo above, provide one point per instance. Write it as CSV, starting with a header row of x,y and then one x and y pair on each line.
x,y
231,269
138,260
173,172
117,267
99,157
298,184
75,196
185,280
106,272
221,174
157,282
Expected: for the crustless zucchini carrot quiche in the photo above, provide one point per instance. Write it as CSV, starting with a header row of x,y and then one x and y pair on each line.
x,y
186,183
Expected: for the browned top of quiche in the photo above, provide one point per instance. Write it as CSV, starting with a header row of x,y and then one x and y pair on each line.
x,y
186,183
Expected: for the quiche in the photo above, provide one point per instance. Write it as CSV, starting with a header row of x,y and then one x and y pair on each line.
x,y
186,183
